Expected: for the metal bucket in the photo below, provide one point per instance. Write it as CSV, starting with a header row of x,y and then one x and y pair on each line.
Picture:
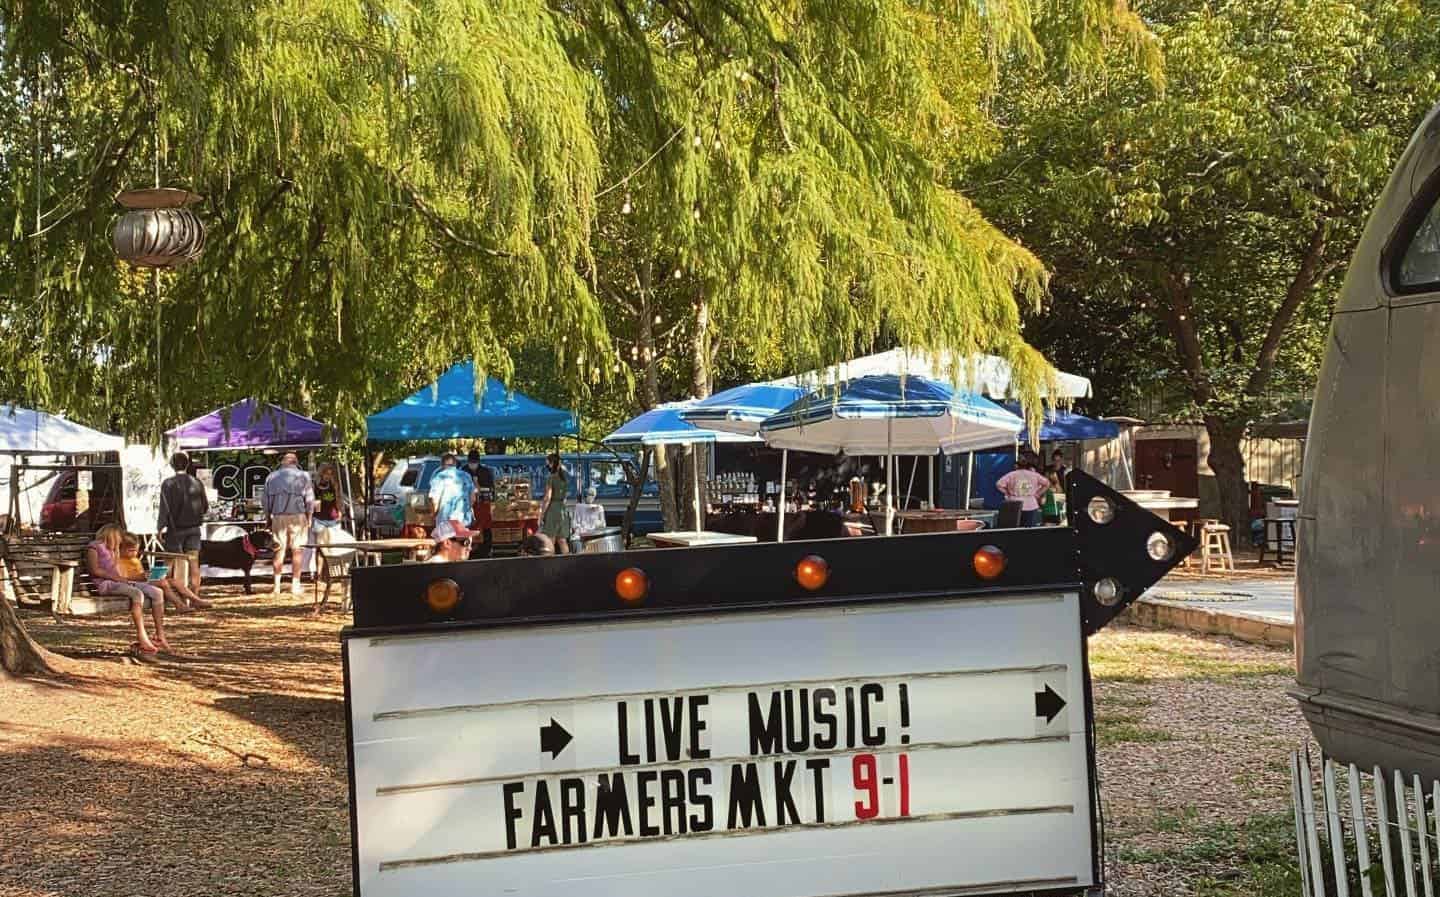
x,y
602,541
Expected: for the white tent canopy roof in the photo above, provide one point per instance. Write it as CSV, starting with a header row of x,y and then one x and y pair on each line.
x,y
25,431
987,375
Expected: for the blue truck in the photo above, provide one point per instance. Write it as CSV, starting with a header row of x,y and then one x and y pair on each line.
x,y
603,470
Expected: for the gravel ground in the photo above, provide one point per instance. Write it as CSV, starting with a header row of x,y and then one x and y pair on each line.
x,y
222,771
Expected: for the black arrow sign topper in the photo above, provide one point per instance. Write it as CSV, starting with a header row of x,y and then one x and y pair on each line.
x,y
1047,704
554,738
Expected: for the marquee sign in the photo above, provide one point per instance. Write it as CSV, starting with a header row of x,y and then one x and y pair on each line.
x,y
852,742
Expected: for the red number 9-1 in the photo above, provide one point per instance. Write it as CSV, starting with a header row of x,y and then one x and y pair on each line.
x,y
867,780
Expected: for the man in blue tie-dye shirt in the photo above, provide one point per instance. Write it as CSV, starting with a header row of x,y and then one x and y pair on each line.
x,y
452,491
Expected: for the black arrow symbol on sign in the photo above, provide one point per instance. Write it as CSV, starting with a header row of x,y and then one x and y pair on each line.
x,y
1048,704
554,738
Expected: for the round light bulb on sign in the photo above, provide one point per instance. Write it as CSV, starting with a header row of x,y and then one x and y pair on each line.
x,y
1160,547
1101,510
812,572
1107,592
632,585
443,595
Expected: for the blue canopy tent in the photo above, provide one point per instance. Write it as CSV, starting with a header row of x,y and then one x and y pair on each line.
x,y
1067,426
984,467
448,409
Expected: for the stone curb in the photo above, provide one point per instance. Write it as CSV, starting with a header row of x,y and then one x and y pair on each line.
x,y
1157,613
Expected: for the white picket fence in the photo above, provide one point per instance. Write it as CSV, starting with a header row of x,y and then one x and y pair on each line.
x,y
1365,833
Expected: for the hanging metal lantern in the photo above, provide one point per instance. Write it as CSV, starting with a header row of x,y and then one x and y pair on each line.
x,y
158,231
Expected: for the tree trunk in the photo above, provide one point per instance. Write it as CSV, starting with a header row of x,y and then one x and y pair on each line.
x,y
650,397
19,653
665,474
637,485
700,379
1228,463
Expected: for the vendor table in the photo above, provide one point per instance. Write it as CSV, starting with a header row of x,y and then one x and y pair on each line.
x,y
367,553
372,549
1159,502
694,539
944,521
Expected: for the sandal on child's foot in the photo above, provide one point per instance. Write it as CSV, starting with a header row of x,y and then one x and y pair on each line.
x,y
144,652
162,644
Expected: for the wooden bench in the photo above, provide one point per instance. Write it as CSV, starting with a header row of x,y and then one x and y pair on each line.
x,y
45,565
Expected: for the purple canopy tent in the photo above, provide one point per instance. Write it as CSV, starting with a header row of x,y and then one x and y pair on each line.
x,y
249,425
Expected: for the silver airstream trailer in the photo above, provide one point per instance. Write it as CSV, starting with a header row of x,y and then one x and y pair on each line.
x,y
1368,589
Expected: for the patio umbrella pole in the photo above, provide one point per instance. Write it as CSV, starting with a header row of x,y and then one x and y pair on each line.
x,y
780,520
910,487
969,474
889,476
695,469
930,468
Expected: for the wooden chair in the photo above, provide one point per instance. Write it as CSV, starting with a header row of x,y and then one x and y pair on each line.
x,y
1215,546
333,562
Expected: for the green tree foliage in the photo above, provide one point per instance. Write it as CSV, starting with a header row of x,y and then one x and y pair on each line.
x,y
391,186
1199,229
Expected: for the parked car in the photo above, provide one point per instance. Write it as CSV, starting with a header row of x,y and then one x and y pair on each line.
x,y
60,514
604,471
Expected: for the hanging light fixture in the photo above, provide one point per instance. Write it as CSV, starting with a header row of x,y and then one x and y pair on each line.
x,y
158,231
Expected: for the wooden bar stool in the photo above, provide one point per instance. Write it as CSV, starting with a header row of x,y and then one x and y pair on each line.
x,y
1215,546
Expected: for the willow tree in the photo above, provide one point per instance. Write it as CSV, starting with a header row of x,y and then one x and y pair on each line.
x,y
773,198
390,186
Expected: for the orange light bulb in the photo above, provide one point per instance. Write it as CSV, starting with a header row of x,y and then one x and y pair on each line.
x,y
443,595
989,561
812,572
631,584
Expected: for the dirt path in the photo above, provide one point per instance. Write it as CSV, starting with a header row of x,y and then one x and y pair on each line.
x,y
223,772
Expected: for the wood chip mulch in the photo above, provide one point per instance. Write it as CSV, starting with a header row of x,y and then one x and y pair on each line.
x,y
221,771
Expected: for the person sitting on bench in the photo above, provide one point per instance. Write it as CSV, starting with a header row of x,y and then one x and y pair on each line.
x,y
133,569
101,558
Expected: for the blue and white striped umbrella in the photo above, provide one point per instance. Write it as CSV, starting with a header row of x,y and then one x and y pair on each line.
x,y
742,409
884,414
662,425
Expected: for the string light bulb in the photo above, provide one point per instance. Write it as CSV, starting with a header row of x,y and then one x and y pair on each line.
x,y
696,141
626,209
677,273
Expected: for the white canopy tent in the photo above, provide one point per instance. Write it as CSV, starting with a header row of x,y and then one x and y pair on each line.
x,y
29,437
27,432
987,375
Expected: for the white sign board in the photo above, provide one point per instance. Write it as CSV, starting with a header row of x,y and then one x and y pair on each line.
x,y
893,749
142,470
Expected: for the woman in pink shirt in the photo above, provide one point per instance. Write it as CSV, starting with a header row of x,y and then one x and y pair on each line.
x,y
1028,486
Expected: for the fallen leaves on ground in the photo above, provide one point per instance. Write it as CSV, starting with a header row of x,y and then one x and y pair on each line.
x,y
221,771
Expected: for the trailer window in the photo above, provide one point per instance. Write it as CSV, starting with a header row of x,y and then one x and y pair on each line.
x,y
411,474
1417,269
